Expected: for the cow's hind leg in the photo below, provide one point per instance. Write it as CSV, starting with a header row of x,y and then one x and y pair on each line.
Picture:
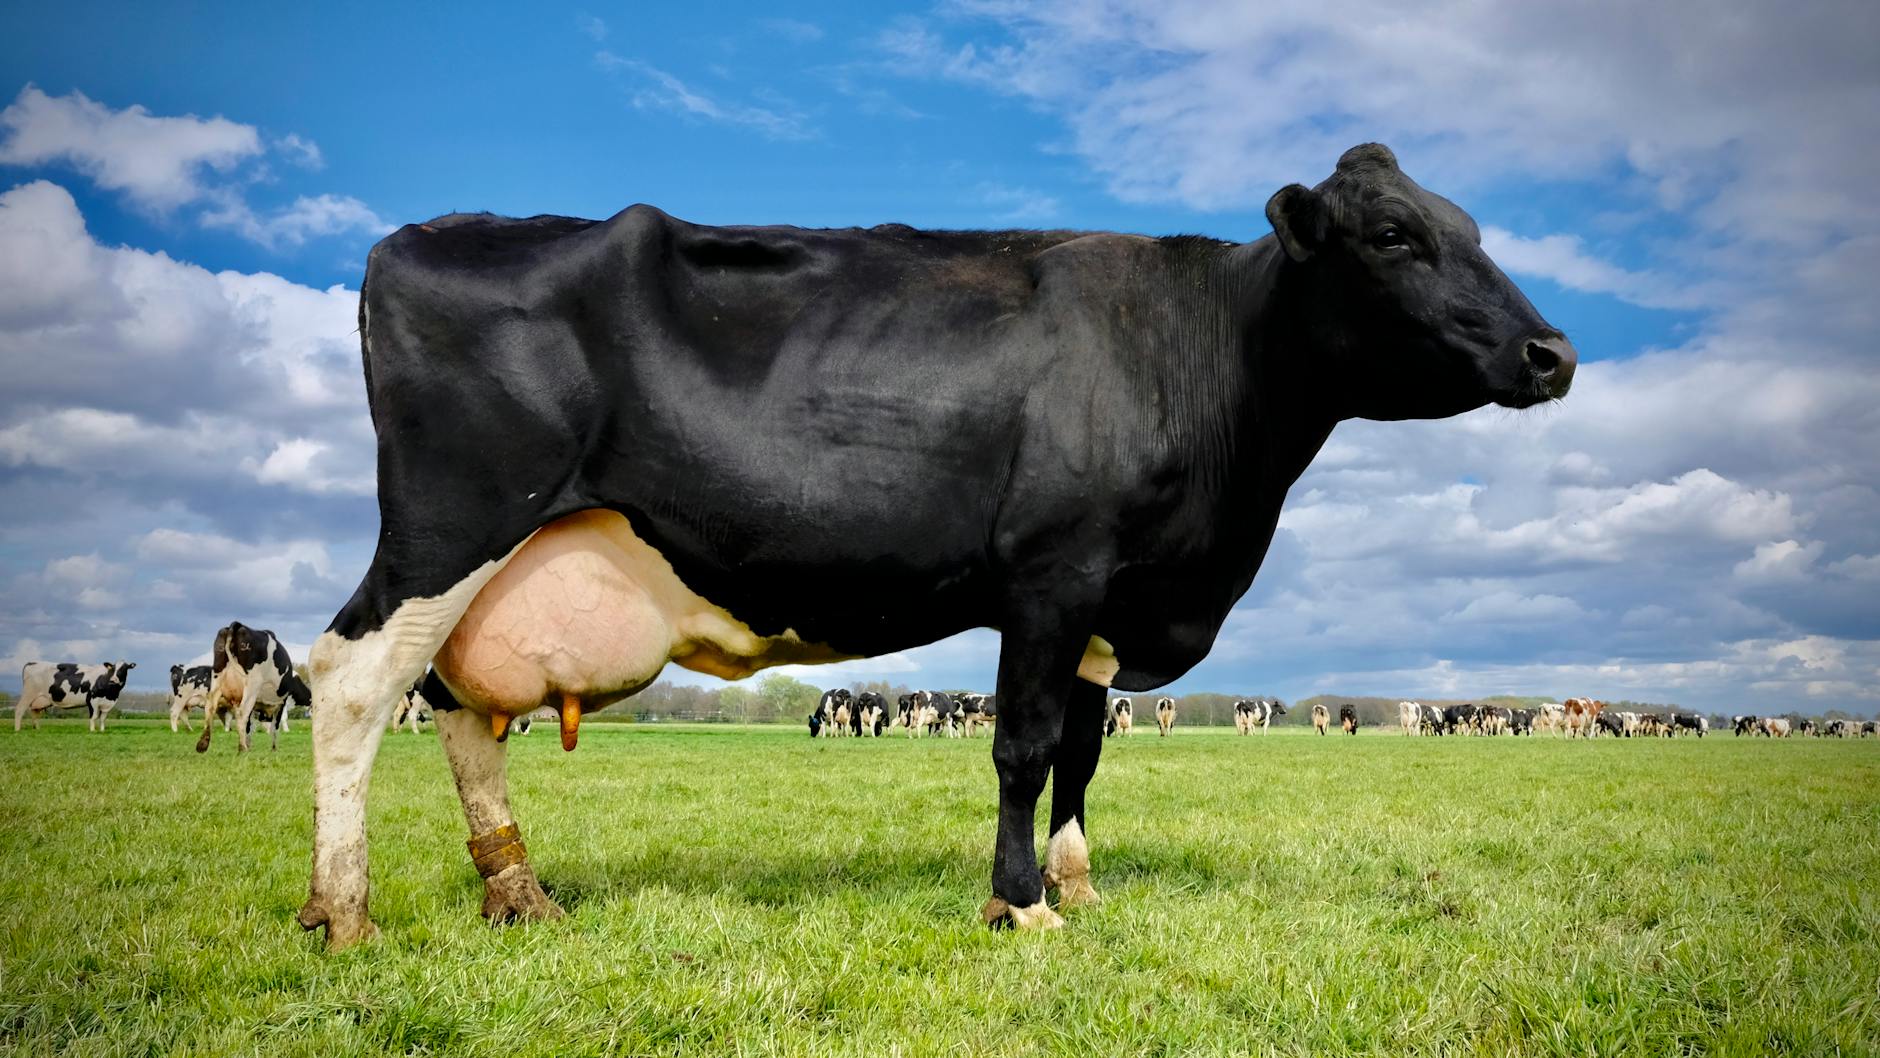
x,y
477,762
359,670
1067,854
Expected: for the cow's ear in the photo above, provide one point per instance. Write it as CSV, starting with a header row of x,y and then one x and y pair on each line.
x,y
1298,218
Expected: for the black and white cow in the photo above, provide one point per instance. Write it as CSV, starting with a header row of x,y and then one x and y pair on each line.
x,y
412,709
1121,719
1745,725
1461,719
1521,722
1696,723
1348,719
1607,722
977,710
252,675
741,447
832,712
1252,713
1433,720
189,689
869,713
68,685
1870,727
1165,714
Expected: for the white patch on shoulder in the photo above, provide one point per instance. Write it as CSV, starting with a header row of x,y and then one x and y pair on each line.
x,y
1099,665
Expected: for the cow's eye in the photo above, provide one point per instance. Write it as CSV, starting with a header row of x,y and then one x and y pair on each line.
x,y
1390,237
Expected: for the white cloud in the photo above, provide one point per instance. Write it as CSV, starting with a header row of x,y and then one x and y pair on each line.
x,y
163,163
157,162
292,225
1564,260
655,89
1017,205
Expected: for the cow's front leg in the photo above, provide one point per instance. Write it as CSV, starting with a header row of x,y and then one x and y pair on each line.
x,y
1037,667
477,762
1067,854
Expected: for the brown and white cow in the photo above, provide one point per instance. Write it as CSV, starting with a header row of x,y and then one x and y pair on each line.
x,y
252,675
1121,720
1580,714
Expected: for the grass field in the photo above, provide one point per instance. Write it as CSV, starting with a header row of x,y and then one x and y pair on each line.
x,y
754,892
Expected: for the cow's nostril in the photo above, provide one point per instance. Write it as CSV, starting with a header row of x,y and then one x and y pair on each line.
x,y
1544,360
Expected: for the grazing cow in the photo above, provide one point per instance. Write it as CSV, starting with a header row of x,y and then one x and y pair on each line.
x,y
1409,717
412,709
744,447
870,714
1251,713
1696,723
1348,719
832,711
1521,722
815,724
1165,714
1870,727
252,675
1746,725
1579,715
1432,720
1122,721
189,689
68,685
1494,719
1607,722
1808,727
1321,717
1460,719
975,710
1777,727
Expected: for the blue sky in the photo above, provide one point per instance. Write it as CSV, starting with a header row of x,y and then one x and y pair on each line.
x,y
189,196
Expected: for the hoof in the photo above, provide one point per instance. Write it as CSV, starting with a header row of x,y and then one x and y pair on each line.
x,y
342,932
1000,915
514,895
1073,892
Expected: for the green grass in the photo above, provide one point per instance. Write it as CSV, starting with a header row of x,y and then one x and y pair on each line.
x,y
749,891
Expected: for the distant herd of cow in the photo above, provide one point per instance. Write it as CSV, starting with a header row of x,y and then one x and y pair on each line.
x,y
252,679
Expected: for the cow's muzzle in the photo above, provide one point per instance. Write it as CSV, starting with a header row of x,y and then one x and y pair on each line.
x,y
1549,360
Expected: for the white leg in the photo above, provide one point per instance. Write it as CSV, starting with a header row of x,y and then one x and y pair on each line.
x,y
245,715
356,684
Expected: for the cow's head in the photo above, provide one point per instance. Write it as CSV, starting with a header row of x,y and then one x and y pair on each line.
x,y
1395,288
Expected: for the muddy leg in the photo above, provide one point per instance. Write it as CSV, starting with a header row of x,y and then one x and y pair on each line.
x,y
354,688
477,761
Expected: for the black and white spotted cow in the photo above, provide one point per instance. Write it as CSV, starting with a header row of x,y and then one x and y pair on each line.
x,y
1696,723
1607,722
1121,718
1495,719
68,685
1165,714
1745,725
412,710
832,712
1348,719
976,710
1252,713
869,714
252,675
1462,719
1321,717
740,447
1521,722
1432,720
1870,727
189,689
